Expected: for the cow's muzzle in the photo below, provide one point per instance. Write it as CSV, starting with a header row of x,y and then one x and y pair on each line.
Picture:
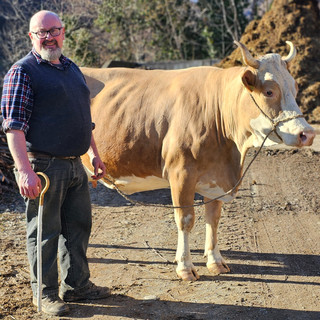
x,y
305,137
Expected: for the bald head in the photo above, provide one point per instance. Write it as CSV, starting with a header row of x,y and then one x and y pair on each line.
x,y
44,17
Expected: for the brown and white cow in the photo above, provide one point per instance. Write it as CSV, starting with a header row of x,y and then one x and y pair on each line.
x,y
190,130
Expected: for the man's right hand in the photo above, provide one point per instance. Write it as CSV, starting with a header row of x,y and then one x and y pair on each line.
x,y
29,184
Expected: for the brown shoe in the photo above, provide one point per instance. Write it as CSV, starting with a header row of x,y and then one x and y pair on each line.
x,y
52,305
89,292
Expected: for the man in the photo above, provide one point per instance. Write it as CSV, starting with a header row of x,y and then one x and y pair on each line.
x,y
46,110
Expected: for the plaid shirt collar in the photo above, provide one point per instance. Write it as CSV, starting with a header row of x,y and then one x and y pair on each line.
x,y
65,62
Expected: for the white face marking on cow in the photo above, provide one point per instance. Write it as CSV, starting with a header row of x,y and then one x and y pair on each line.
x,y
290,130
268,76
206,190
272,68
262,126
133,184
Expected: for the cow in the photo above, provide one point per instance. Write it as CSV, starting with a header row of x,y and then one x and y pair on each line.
x,y
189,130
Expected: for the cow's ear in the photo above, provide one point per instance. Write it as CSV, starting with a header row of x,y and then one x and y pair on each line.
x,y
249,80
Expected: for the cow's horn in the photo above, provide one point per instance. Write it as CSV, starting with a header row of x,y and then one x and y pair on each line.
x,y
292,53
247,57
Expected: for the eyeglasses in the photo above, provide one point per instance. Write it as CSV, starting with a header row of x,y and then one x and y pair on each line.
x,y
42,34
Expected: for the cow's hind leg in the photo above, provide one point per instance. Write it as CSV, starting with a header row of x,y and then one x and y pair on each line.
x,y
183,195
215,262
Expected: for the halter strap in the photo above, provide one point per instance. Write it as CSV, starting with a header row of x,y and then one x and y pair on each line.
x,y
275,123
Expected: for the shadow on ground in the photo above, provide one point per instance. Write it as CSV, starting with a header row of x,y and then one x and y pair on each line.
x,y
117,306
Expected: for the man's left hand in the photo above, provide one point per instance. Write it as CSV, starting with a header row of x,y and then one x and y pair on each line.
x,y
99,168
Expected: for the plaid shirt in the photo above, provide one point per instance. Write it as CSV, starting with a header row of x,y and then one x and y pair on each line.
x,y
17,95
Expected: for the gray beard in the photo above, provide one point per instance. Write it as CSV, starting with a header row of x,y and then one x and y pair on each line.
x,y
50,55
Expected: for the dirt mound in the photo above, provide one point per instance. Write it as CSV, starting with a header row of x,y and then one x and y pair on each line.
x,y
296,21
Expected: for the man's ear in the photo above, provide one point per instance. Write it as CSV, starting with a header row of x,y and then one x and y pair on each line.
x,y
249,80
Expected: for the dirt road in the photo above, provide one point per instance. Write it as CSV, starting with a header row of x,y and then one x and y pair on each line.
x,y
269,235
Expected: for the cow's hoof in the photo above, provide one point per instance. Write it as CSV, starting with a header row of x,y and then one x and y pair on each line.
x,y
218,268
188,274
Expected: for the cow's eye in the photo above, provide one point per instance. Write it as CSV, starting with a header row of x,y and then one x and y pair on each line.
x,y
269,93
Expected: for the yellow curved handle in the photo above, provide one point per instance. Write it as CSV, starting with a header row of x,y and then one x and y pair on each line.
x,y
44,190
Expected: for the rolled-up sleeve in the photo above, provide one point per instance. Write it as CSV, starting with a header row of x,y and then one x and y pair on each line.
x,y
17,100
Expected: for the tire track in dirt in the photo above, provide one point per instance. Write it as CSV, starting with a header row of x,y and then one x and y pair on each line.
x,y
288,230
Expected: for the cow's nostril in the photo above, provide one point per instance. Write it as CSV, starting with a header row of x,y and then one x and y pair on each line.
x,y
306,138
303,137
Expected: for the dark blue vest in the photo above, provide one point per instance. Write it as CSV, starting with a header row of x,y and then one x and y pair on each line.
x,y
60,123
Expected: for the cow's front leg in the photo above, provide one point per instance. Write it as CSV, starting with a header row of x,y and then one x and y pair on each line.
x,y
185,269
216,264
182,194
